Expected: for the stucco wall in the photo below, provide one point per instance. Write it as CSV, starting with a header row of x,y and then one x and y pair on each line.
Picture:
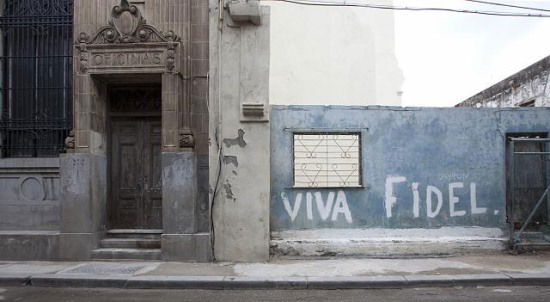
x,y
457,156
462,150
239,148
330,55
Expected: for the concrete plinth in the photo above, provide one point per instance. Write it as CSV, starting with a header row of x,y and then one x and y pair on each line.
x,y
179,192
29,245
181,240
77,246
83,208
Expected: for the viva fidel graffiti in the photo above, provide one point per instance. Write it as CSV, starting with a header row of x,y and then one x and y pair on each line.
x,y
334,205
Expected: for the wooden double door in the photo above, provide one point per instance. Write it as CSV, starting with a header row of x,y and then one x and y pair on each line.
x,y
135,173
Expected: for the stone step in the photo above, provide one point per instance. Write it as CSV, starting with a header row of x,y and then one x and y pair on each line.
x,y
126,254
134,233
131,243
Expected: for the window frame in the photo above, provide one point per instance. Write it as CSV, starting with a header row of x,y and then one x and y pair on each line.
x,y
36,105
359,135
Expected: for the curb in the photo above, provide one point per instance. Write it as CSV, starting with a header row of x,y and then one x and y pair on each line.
x,y
66,280
176,282
221,282
15,279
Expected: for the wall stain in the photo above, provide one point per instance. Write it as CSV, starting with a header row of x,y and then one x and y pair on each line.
x,y
231,160
229,142
229,192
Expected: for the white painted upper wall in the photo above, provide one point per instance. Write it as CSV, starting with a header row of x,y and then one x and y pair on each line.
x,y
330,55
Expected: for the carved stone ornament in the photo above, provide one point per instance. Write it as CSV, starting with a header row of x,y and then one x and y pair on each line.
x,y
187,140
69,142
127,25
83,58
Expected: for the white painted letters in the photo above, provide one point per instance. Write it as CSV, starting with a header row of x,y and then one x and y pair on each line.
x,y
416,200
309,207
453,200
473,201
292,212
391,200
429,208
324,208
433,206
341,207
336,208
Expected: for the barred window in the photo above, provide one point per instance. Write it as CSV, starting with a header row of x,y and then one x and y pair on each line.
x,y
325,160
36,76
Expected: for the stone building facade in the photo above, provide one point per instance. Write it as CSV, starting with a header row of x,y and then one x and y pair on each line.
x,y
141,140
133,182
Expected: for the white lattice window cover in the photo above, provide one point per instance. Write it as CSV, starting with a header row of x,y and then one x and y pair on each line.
x,y
327,160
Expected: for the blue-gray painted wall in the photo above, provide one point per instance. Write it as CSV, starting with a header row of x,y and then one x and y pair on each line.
x,y
428,146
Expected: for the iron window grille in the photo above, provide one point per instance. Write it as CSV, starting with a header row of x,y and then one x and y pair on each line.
x,y
36,76
327,160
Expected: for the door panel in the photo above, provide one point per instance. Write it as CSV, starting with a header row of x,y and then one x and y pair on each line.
x,y
125,191
153,180
136,183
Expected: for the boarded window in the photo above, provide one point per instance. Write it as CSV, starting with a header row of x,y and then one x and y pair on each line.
x,y
324,160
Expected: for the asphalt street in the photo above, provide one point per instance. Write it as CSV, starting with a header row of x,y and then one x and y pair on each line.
x,y
469,294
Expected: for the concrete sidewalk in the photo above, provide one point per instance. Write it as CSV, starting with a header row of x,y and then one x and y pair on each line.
x,y
494,269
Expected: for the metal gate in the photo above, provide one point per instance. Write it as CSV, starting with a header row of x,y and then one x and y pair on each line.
x,y
36,76
528,190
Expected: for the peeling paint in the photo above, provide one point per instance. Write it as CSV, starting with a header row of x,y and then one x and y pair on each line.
x,y
229,192
231,160
229,142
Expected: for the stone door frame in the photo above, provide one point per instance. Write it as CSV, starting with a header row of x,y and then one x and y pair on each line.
x,y
114,56
101,64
